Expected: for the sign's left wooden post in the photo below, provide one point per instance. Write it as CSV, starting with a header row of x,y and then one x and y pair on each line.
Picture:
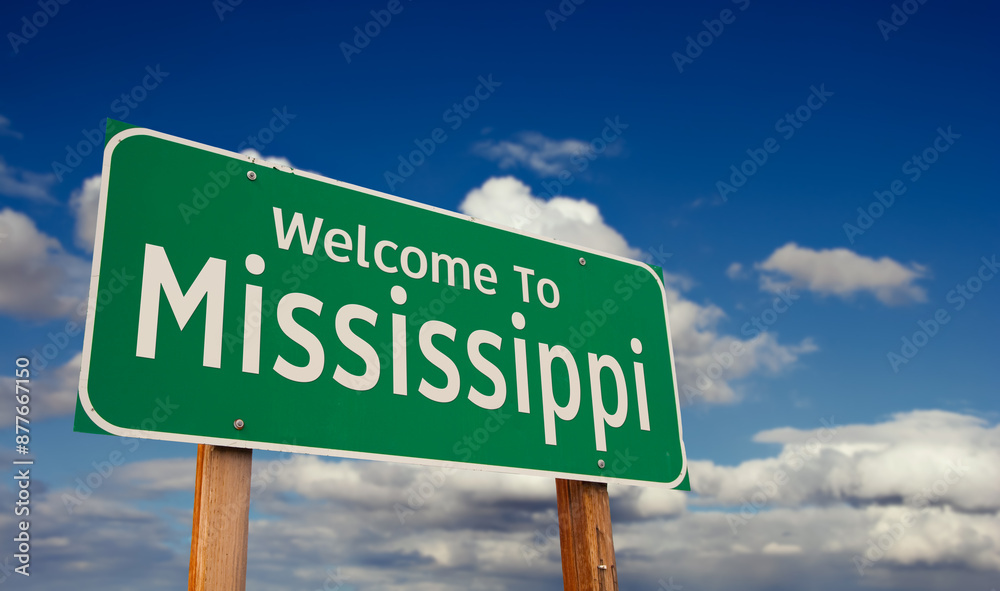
x,y
221,519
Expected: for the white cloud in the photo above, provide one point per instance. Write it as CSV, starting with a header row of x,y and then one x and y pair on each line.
x,y
829,491
136,553
696,340
508,201
83,202
38,278
736,271
638,503
426,527
892,462
272,160
705,360
776,548
53,391
530,149
5,129
20,183
313,517
779,548
55,394
150,478
842,273
474,526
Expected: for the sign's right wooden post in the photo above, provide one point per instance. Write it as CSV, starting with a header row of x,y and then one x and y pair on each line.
x,y
588,551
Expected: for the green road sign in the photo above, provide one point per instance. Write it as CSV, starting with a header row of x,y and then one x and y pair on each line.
x,y
239,303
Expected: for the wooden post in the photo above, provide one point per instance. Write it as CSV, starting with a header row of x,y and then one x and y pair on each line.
x,y
221,519
588,552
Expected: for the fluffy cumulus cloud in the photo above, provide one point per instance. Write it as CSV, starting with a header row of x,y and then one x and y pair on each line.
x,y
530,149
706,359
38,278
462,529
842,273
83,202
781,548
508,201
944,458
24,184
905,503
917,490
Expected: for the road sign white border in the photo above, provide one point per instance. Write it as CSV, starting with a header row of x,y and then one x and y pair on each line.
x,y
140,433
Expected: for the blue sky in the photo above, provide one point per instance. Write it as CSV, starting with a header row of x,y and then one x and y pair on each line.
x,y
865,99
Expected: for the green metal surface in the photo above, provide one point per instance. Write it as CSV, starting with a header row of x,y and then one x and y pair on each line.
x,y
198,204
